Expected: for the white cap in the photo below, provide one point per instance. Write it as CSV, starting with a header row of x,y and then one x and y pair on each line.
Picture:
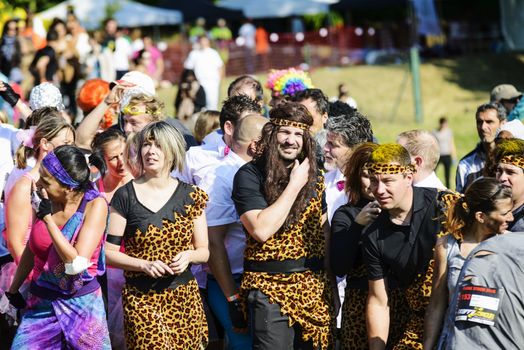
x,y
140,80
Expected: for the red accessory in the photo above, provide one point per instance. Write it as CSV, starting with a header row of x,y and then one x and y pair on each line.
x,y
233,297
226,150
341,184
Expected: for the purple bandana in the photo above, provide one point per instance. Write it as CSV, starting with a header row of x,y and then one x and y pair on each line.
x,y
55,168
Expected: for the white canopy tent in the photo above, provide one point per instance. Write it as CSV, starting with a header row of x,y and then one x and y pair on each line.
x,y
128,14
277,8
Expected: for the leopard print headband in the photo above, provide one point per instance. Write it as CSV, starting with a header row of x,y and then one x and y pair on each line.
x,y
389,168
513,160
285,122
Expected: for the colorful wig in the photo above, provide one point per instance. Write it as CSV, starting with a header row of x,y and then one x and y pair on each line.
x,y
287,82
91,94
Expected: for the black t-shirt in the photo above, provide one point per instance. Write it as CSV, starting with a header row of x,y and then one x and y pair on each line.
x,y
403,251
138,216
248,189
346,239
52,66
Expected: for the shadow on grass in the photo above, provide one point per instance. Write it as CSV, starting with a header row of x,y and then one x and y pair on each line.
x,y
481,72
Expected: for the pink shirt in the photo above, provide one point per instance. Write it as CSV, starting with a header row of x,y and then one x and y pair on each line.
x,y
40,244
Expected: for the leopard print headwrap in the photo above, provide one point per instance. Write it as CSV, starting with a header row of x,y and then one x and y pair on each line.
x,y
512,159
285,122
389,168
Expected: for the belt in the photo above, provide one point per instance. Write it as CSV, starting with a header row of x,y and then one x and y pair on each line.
x,y
51,294
147,283
285,266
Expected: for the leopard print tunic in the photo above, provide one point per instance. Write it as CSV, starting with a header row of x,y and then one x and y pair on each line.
x,y
306,297
172,318
419,291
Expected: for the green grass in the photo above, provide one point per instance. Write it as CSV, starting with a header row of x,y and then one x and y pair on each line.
x,y
450,87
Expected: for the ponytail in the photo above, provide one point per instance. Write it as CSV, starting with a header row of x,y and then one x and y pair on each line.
x,y
457,218
96,159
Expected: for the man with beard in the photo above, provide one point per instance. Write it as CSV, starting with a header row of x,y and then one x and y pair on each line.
x,y
489,118
398,250
279,198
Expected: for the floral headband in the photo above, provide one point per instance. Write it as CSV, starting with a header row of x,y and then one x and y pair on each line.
x,y
516,160
286,122
389,168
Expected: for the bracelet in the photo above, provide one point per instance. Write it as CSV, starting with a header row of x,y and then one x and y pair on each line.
x,y
233,297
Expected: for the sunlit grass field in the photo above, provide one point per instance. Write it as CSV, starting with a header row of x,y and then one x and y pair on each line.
x,y
450,87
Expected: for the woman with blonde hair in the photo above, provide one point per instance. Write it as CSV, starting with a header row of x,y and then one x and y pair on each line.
x,y
162,223
206,123
483,211
52,131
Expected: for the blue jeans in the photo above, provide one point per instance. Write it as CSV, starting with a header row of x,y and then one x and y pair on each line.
x,y
218,303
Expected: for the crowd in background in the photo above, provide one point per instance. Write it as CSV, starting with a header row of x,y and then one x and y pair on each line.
x,y
238,224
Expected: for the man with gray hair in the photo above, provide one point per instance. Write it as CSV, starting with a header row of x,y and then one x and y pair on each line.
x,y
424,151
346,128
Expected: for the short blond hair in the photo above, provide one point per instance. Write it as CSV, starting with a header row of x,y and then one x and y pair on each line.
x,y
422,143
168,139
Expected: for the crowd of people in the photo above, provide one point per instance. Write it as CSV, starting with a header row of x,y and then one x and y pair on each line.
x,y
279,226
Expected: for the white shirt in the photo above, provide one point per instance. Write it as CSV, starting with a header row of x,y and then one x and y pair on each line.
x,y
199,159
214,138
123,52
334,196
432,181
220,210
16,174
248,32
206,64
8,147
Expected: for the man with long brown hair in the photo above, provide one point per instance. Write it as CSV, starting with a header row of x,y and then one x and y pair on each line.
x,y
279,197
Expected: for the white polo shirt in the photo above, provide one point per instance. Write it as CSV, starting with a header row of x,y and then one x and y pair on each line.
x,y
220,210
200,158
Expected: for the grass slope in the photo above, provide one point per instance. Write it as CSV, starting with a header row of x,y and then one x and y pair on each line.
x,y
450,87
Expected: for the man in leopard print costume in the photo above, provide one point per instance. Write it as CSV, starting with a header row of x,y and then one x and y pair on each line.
x,y
398,250
279,198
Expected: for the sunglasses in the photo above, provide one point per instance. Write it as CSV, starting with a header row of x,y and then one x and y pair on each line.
x,y
137,110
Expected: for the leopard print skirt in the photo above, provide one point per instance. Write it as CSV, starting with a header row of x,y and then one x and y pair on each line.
x,y
417,298
353,334
171,319
306,297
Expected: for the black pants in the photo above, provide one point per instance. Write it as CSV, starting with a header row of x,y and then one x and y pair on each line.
x,y
446,161
270,330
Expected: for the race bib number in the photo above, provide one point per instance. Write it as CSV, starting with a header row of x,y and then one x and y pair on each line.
x,y
478,304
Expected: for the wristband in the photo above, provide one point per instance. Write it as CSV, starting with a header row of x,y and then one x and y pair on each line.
x,y
233,297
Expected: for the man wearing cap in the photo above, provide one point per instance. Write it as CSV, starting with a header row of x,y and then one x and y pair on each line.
x,y
398,250
507,95
509,156
489,118
279,198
